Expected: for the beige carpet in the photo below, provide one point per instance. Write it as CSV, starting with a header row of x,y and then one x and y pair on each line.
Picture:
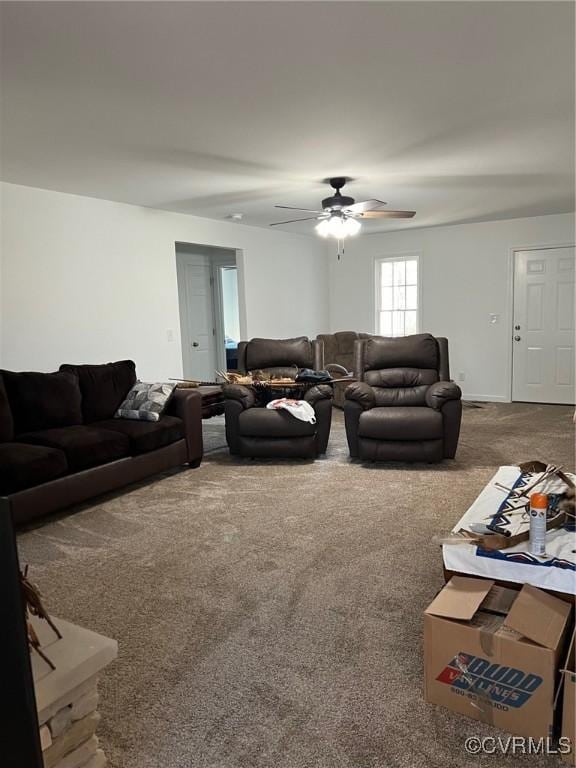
x,y
270,613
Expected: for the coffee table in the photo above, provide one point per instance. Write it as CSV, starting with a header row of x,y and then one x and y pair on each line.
x,y
212,400
268,390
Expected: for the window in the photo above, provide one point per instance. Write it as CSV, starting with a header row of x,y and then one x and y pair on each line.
x,y
397,296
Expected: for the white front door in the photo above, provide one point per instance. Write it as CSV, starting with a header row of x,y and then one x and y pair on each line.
x,y
197,318
543,333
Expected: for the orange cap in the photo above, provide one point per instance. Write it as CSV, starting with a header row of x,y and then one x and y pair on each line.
x,y
539,500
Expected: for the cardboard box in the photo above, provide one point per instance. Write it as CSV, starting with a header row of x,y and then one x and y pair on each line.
x,y
569,703
493,654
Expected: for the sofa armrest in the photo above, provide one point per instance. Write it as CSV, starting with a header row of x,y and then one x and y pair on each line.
x,y
243,395
361,393
186,404
438,394
317,393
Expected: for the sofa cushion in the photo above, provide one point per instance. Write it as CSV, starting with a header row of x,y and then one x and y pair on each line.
x,y
418,351
84,446
275,353
146,436
43,400
265,422
23,466
402,423
6,420
103,387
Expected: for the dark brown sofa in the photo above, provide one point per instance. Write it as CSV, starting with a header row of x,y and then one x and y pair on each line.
x,y
255,431
404,408
60,443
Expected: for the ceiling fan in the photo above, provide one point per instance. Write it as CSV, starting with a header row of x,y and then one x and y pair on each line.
x,y
341,215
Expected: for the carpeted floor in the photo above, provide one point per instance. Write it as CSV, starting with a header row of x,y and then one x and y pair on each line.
x,y
269,614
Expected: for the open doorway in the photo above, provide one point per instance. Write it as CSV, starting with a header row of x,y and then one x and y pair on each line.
x,y
209,311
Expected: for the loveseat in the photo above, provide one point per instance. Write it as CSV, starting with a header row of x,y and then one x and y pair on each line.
x,y
60,443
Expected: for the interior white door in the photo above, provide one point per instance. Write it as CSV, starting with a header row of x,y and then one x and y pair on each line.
x,y
197,317
543,345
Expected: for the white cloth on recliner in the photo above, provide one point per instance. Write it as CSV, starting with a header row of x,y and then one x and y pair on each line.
x,y
300,409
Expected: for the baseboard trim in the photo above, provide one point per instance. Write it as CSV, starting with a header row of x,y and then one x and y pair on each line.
x,y
486,398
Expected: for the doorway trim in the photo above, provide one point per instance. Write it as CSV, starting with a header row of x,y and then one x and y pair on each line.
x,y
216,263
217,256
510,301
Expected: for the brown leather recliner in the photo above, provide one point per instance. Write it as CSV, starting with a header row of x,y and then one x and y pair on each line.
x,y
255,431
404,408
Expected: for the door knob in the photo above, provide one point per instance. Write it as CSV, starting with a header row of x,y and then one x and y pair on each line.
x,y
195,344
517,338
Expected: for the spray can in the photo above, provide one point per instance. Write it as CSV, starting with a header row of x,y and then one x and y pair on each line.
x,y
538,508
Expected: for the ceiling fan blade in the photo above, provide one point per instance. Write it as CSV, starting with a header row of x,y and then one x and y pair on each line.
x,y
291,221
365,205
291,208
388,214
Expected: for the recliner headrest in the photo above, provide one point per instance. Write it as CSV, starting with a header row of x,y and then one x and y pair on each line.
x,y
418,351
272,353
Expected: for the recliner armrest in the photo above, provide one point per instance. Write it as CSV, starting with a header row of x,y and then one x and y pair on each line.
x,y
362,393
244,395
317,393
441,392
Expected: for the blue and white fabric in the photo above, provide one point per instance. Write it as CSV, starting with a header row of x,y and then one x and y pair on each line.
x,y
556,571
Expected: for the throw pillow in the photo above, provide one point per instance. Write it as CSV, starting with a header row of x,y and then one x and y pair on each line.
x,y
145,402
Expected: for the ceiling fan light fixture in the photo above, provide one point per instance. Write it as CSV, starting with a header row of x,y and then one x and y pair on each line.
x,y
339,227
340,215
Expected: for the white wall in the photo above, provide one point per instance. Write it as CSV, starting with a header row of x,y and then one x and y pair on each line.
x,y
90,280
86,280
466,276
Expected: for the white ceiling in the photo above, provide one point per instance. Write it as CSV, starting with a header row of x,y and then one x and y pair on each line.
x,y
461,111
